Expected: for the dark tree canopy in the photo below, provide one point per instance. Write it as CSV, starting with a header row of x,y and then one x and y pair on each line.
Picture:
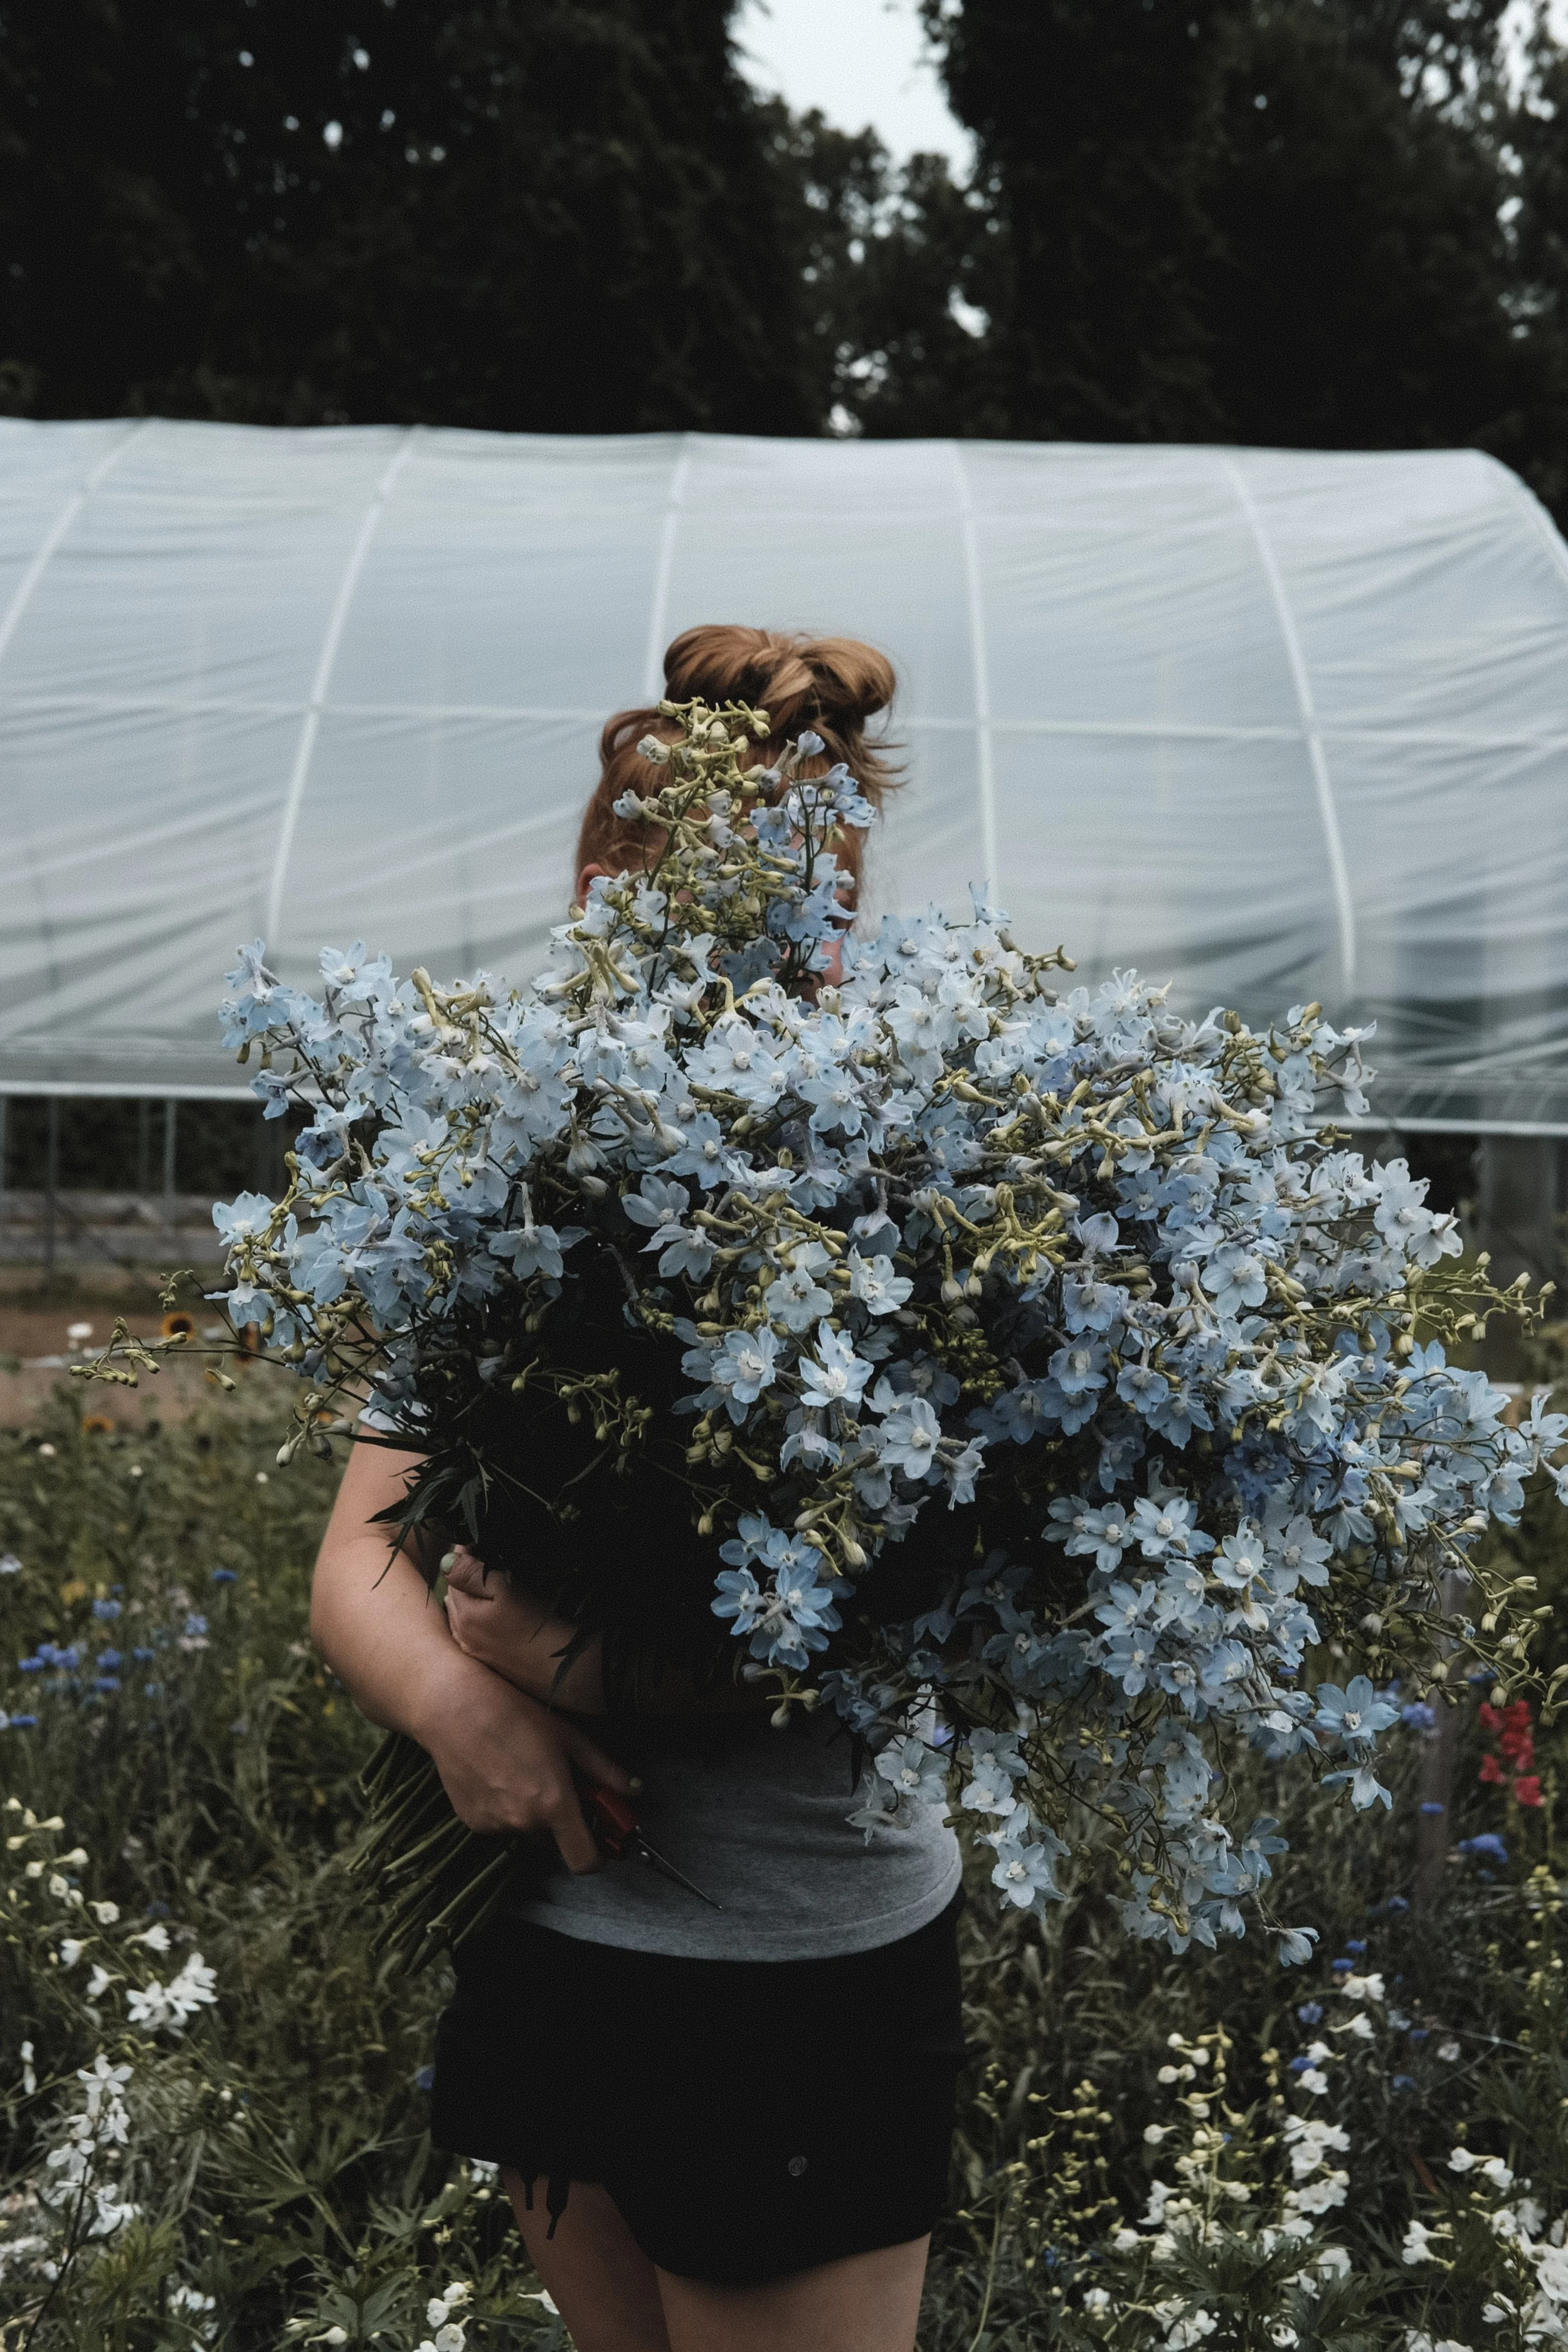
x,y
518,213
1319,223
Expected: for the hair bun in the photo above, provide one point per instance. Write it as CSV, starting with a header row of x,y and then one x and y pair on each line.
x,y
841,680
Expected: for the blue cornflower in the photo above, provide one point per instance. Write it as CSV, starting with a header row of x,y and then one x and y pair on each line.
x,y
195,1625
21,1723
1311,2012
107,1683
1418,1716
1405,2081
223,1576
108,1660
1356,1944
1432,1808
424,2078
1489,1843
1299,2065
1397,1903
106,1610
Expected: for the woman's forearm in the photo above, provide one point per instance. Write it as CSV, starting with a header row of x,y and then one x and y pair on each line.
x,y
377,1624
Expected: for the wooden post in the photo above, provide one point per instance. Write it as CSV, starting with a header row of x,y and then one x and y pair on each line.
x,y
51,1186
170,1110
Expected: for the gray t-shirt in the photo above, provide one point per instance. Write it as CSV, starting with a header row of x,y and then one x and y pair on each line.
x,y
757,1818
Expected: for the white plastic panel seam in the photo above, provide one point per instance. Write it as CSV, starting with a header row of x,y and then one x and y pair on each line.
x,y
1455,738
985,763
658,610
25,591
27,585
1326,810
310,724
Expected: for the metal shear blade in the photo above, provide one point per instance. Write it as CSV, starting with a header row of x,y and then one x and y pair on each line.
x,y
656,1860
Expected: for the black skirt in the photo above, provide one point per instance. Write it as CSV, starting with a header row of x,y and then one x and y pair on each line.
x,y
749,2118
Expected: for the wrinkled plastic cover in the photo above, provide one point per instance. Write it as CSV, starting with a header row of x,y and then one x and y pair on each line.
x,y
1279,725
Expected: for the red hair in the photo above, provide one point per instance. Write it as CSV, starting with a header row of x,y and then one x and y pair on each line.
x,y
831,685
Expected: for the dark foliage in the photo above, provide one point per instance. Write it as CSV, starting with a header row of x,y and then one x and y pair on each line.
x,y
1307,223
549,216
1319,222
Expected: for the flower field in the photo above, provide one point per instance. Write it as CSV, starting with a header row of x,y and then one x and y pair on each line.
x,y
213,2118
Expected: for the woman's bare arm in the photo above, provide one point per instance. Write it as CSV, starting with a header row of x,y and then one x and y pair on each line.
x,y
506,1761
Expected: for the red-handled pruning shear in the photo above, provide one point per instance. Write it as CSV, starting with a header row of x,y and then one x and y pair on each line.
x,y
615,1824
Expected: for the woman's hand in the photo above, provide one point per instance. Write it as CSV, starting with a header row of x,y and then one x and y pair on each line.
x,y
516,1636
507,1763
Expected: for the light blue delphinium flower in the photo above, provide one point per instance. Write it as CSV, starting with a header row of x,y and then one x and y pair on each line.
x,y
836,1375
913,1771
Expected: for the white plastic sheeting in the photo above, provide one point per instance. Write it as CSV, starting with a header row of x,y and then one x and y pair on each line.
x,y
1284,726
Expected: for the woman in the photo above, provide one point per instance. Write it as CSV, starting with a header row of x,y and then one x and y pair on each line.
x,y
723,2129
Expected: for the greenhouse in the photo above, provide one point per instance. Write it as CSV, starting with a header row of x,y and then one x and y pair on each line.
x,y
1278,726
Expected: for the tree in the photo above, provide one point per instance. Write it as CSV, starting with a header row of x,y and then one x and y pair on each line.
x,y
544,213
898,272
1315,223
1092,118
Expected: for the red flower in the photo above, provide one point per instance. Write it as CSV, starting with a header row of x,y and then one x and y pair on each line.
x,y
1488,1717
1519,1747
1526,1790
1516,1714
1491,1771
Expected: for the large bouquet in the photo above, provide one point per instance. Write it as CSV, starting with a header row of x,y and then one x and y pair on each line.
x,y
1029,1378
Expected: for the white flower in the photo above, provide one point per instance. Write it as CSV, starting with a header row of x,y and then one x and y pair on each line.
x,y
1190,2330
451,2339
1319,2196
1097,2302
1283,2333
1154,2133
1368,1988
1125,2242
106,1914
1494,2170
155,1937
1460,2160
1312,2078
29,2080
98,1984
158,2005
1551,2272
1448,2051
1309,2141
71,1951
1333,2261
548,2301
1418,2244
59,1887
1360,2025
